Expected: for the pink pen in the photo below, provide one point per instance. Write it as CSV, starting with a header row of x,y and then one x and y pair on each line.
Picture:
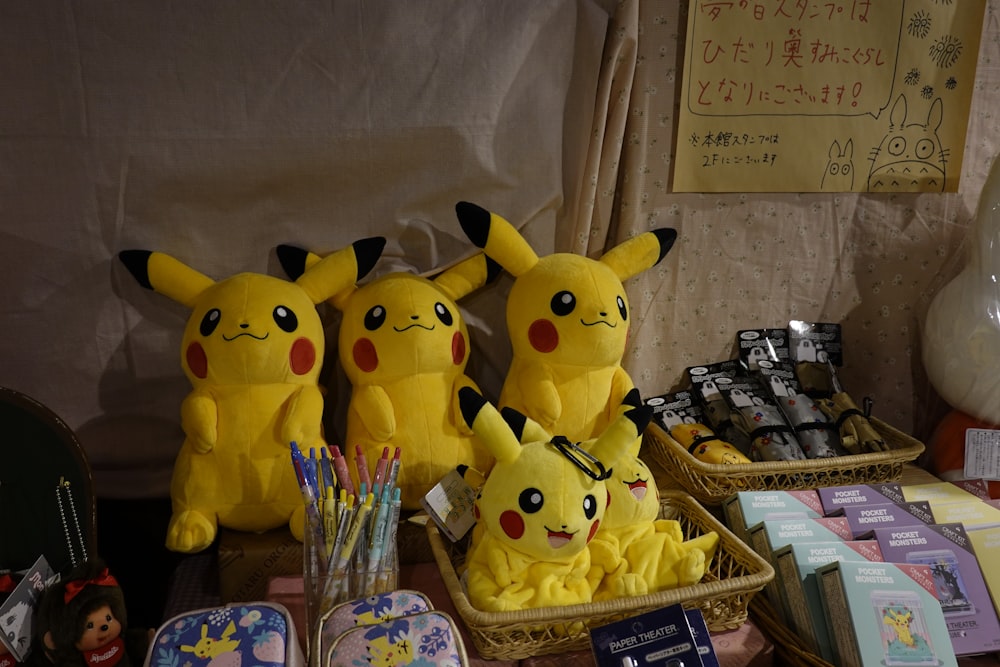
x,y
340,467
382,466
362,464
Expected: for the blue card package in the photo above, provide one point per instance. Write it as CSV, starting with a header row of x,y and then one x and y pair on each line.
x,y
702,639
660,637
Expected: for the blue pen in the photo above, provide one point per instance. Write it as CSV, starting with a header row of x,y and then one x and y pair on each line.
x,y
313,519
312,473
389,546
326,469
377,544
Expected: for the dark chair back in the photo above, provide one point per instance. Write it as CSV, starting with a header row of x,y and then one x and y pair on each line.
x,y
47,504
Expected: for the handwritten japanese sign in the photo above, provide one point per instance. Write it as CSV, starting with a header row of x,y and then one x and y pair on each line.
x,y
813,95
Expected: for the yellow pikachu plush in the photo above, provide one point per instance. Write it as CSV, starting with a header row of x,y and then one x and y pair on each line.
x,y
567,319
538,511
404,346
252,350
638,552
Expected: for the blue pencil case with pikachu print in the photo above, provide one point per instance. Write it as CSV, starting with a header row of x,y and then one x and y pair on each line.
x,y
261,634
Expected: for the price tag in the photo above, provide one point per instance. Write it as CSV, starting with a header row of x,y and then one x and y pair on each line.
x,y
982,453
450,503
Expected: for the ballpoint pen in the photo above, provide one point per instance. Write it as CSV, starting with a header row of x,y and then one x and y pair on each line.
x,y
313,519
326,468
376,544
354,531
329,520
340,468
393,473
381,467
361,462
389,546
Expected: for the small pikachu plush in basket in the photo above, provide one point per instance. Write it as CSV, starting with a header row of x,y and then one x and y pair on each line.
x,y
539,509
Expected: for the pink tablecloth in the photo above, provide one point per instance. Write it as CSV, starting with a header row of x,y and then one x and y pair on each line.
x,y
743,647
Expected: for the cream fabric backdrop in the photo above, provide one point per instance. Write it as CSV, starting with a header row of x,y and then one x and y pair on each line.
x,y
214,131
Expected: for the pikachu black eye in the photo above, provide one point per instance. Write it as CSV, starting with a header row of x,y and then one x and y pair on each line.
x,y
563,303
210,322
531,500
285,319
374,318
621,308
443,314
589,506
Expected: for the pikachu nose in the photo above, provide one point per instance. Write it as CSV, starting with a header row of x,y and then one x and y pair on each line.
x,y
244,325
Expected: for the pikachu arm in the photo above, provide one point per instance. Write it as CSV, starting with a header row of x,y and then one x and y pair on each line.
x,y
621,385
455,410
671,527
540,397
374,408
200,420
304,416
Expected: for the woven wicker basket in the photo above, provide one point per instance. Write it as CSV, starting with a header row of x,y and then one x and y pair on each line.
x,y
712,483
735,574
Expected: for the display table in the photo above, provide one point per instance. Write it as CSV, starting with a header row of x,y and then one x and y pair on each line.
x,y
744,647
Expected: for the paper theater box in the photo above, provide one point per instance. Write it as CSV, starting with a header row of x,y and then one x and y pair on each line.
x,y
248,560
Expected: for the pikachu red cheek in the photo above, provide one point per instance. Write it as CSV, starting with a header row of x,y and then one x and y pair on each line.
x,y
593,530
543,336
302,356
457,348
512,524
197,360
365,356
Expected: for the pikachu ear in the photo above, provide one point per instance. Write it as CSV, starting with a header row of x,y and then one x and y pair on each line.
x,y
323,278
467,276
497,237
166,275
634,256
619,436
526,429
488,425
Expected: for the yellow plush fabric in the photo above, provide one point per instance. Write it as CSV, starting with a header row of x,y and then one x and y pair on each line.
x,y
568,320
538,511
636,552
252,350
404,346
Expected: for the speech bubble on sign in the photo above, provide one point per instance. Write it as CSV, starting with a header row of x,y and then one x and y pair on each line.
x,y
833,58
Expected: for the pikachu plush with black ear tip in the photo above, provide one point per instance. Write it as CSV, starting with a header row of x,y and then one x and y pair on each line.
x,y
252,350
539,510
568,320
404,346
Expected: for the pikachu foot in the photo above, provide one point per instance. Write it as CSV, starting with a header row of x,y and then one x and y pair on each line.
x,y
691,568
297,524
190,532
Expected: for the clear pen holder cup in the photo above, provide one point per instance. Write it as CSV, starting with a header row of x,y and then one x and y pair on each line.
x,y
325,585
379,575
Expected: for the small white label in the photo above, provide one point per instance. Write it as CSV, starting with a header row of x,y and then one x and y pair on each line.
x,y
450,503
982,453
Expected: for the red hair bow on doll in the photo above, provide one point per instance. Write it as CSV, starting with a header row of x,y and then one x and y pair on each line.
x,y
74,587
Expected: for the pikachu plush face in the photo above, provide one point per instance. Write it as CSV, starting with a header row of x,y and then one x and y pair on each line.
x,y
568,310
252,329
399,326
252,349
567,320
404,346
